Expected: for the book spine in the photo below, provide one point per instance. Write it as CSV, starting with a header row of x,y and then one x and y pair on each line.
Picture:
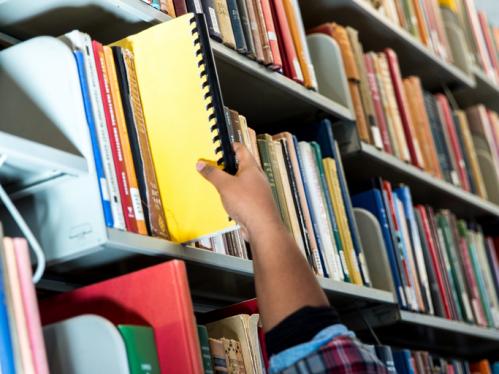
x,y
245,22
105,146
157,219
237,27
254,24
180,7
271,34
125,143
116,148
99,167
225,24
212,19
7,357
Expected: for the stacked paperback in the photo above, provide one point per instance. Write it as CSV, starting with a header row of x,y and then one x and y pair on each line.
x,y
440,265
397,116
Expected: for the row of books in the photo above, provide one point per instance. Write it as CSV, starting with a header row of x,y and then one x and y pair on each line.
x,y
397,116
439,264
22,348
268,31
309,188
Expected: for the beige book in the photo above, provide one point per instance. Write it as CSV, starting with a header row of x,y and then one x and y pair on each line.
x,y
224,23
255,29
393,110
254,146
288,196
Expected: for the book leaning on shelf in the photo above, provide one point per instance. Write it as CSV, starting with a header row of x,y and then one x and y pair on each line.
x,y
397,116
440,265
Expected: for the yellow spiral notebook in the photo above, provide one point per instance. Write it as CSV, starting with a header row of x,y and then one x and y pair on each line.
x,y
183,110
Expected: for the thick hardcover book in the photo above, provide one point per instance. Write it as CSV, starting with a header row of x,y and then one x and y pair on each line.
x,y
126,150
139,142
237,26
225,24
116,147
372,201
403,362
140,349
245,22
196,123
269,26
255,29
264,151
138,297
465,156
99,167
400,94
384,353
291,64
210,12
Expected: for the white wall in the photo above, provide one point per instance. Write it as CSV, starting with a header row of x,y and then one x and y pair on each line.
x,y
491,7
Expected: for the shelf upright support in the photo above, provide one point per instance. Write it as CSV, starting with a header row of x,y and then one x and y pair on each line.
x,y
21,223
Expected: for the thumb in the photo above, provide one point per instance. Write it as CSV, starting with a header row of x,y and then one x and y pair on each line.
x,y
213,174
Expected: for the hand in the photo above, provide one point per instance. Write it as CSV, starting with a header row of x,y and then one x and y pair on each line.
x,y
246,196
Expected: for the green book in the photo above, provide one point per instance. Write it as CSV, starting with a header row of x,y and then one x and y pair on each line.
x,y
140,348
205,349
329,208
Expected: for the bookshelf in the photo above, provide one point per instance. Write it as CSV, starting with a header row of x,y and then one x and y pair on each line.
x,y
430,332
274,98
222,279
219,279
425,188
377,33
29,165
484,92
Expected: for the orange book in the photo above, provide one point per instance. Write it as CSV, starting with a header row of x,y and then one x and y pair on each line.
x,y
298,34
126,150
423,31
480,367
157,296
170,8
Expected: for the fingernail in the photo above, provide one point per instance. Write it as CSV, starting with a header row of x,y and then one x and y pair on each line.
x,y
200,165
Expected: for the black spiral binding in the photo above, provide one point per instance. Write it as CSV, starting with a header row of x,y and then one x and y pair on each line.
x,y
212,95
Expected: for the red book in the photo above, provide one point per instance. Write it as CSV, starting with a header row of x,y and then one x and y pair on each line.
x,y
114,138
405,116
492,54
157,296
270,28
378,105
291,65
457,152
180,7
435,260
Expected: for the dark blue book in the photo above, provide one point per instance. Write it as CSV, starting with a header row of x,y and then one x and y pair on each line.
x,y
237,27
385,355
311,209
403,362
7,365
99,166
372,201
322,133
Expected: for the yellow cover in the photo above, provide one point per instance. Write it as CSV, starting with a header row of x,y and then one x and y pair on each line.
x,y
451,4
340,213
178,126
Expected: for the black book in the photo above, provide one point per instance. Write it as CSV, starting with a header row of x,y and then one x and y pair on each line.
x,y
245,22
209,10
237,27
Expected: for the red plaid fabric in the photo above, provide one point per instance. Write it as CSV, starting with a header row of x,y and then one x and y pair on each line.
x,y
341,355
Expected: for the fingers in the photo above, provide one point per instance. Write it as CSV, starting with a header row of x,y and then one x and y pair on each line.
x,y
243,155
213,174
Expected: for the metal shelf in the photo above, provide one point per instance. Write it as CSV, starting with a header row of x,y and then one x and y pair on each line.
x,y
376,33
262,95
219,278
485,92
29,165
440,335
368,162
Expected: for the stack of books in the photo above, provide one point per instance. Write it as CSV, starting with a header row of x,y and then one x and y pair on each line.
x,y
440,265
309,188
268,31
22,348
397,116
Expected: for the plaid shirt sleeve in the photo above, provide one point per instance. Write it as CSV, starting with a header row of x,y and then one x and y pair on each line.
x,y
343,354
